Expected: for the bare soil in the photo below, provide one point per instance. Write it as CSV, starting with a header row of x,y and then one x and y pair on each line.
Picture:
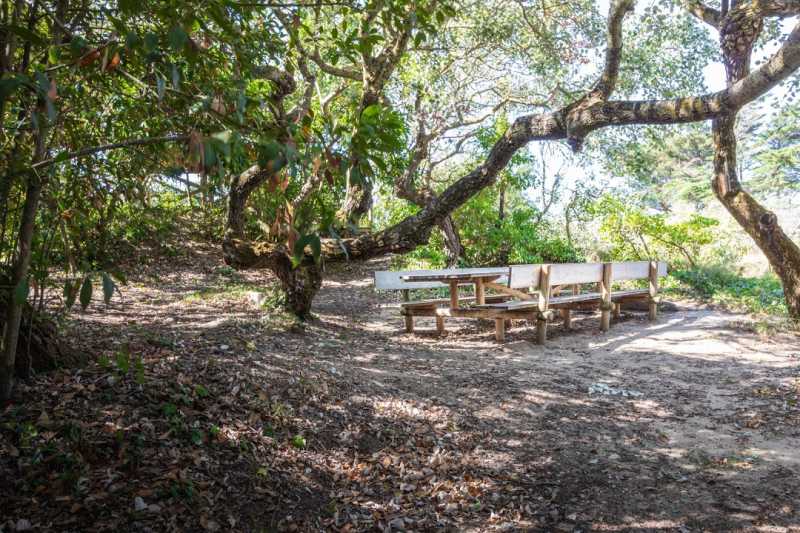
x,y
238,418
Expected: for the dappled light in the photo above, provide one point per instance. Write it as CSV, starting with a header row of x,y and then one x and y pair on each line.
x,y
399,265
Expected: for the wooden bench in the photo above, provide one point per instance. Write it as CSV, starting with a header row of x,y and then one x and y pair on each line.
x,y
531,292
543,278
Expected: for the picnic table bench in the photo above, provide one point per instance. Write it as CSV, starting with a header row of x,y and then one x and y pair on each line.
x,y
531,292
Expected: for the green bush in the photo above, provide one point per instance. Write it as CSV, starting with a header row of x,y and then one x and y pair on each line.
x,y
721,286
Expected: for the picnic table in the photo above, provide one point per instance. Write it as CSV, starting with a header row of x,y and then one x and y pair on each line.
x,y
528,292
481,279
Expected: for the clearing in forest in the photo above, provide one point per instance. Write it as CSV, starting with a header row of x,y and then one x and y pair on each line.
x,y
200,411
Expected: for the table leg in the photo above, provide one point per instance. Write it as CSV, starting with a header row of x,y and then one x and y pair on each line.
x,y
454,295
480,292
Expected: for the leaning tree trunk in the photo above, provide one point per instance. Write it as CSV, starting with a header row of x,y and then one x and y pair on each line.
x,y
737,35
452,241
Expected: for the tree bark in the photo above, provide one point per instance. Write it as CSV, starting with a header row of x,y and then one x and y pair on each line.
x,y
21,267
738,32
452,241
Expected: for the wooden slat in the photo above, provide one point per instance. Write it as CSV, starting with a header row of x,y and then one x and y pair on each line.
x,y
605,296
507,290
391,280
635,293
571,273
433,302
388,280
524,276
627,270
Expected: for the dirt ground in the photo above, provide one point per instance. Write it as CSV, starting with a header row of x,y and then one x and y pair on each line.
x,y
231,417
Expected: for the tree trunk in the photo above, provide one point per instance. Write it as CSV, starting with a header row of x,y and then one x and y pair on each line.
x,y
18,275
452,241
300,284
737,35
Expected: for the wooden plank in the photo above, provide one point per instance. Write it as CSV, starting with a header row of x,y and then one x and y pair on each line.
x,y
524,276
545,282
388,280
541,331
628,270
605,296
544,286
508,290
571,273
631,294
653,306
480,294
566,316
392,280
454,294
500,329
465,274
433,302
409,319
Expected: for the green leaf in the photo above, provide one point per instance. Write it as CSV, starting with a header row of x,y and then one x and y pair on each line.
x,y
299,441
108,288
86,292
312,241
178,38
21,292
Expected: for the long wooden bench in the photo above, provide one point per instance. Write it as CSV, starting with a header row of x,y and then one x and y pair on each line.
x,y
542,279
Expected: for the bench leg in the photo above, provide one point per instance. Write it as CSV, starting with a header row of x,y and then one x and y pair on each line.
x,y
617,310
541,331
440,324
605,319
566,316
500,329
652,310
409,324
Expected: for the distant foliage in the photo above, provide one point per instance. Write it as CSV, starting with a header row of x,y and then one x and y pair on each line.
x,y
720,285
634,234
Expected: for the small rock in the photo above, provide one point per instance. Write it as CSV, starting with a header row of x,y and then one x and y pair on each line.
x,y
223,347
23,524
138,504
153,508
397,523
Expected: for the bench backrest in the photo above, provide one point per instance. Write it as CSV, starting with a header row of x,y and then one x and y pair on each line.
x,y
527,276
391,280
574,273
635,270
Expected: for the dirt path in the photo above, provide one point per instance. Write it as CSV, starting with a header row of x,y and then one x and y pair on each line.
x,y
241,420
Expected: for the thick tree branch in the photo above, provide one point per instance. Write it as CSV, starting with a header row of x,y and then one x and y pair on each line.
x,y
608,80
707,14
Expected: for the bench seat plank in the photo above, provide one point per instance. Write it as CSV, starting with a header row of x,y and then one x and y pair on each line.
x,y
435,302
560,301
